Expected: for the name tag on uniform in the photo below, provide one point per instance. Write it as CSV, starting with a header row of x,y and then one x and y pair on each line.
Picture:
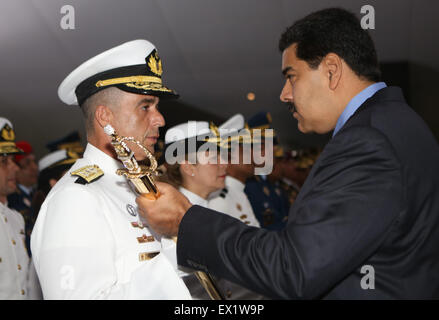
x,y
143,256
144,238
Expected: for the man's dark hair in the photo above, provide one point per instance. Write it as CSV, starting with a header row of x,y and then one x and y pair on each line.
x,y
336,31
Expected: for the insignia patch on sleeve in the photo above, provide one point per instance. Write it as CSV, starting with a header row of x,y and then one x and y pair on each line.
x,y
87,174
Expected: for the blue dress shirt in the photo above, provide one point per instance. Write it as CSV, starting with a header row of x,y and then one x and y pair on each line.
x,y
355,103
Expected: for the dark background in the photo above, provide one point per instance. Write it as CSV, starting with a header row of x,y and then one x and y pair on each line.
x,y
214,52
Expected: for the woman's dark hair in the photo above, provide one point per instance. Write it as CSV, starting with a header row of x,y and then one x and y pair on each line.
x,y
44,187
336,31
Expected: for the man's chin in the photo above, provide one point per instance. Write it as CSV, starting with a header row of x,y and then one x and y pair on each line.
x,y
302,128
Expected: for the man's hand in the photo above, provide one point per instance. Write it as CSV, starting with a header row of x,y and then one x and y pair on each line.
x,y
164,214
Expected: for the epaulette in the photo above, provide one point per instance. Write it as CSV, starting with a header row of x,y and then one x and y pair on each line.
x,y
87,174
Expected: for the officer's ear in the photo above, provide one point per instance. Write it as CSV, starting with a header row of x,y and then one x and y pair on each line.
x,y
103,115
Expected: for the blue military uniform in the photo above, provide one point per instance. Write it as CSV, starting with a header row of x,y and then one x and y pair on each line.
x,y
269,202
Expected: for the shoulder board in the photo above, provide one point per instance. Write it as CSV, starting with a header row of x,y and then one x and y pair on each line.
x,y
225,190
87,174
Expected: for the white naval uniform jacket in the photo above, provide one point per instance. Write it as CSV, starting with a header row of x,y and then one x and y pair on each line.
x,y
18,280
85,246
234,202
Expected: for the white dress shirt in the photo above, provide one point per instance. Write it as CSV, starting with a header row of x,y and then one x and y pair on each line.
x,y
233,201
89,241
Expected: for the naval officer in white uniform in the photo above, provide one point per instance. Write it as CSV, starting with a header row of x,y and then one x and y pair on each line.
x,y
199,177
232,199
197,172
89,241
18,280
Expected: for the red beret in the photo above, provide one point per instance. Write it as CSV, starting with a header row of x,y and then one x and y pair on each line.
x,y
26,147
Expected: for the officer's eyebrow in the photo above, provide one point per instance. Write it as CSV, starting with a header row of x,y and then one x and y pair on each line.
x,y
285,70
147,101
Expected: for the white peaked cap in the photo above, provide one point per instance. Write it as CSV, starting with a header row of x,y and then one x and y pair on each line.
x,y
52,158
187,130
137,60
4,121
232,125
128,53
192,129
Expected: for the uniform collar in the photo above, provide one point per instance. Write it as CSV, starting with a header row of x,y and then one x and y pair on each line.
x,y
234,184
25,190
96,156
193,198
4,206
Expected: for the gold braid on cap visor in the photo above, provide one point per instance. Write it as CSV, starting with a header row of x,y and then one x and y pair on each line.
x,y
138,82
8,147
244,137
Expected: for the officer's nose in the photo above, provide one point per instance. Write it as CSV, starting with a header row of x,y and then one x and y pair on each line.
x,y
157,119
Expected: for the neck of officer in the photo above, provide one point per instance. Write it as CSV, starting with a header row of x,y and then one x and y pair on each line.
x,y
101,141
3,198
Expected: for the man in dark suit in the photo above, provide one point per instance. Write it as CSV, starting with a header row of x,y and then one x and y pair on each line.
x,y
365,224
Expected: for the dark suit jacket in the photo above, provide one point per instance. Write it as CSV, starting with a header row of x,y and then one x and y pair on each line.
x,y
371,199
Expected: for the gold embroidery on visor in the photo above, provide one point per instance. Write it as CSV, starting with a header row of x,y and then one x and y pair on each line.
x,y
148,86
139,79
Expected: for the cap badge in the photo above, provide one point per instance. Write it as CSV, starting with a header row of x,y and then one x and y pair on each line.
x,y
155,64
7,133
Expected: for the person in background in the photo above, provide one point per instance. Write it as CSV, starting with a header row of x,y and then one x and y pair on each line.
x,y
232,199
27,177
268,201
18,279
295,168
71,142
52,167
196,174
